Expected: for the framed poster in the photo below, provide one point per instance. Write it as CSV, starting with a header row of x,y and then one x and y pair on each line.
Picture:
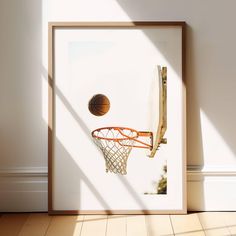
x,y
117,126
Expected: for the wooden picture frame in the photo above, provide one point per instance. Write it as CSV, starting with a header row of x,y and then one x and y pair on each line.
x,y
53,64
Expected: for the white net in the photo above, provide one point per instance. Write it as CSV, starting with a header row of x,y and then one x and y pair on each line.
x,y
116,145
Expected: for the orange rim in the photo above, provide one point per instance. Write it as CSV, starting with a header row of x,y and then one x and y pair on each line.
x,y
119,129
126,137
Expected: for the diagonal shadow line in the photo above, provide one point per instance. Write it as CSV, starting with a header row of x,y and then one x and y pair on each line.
x,y
133,194
123,4
88,133
87,181
68,106
94,190
133,12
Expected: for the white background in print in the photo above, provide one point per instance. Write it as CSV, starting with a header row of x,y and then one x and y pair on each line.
x,y
121,64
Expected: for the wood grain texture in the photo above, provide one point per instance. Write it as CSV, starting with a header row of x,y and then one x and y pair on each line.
x,y
65,225
11,224
36,225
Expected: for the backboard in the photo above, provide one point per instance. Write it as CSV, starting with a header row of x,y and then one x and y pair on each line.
x,y
158,109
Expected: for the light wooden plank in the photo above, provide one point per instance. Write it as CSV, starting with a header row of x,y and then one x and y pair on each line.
x,y
197,233
36,225
232,230
212,220
217,232
231,222
116,225
159,225
65,225
230,218
136,225
11,224
186,223
94,225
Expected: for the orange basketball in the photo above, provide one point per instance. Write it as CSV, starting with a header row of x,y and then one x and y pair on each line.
x,y
99,105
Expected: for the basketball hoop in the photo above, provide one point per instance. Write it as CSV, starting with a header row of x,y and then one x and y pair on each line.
x,y
116,144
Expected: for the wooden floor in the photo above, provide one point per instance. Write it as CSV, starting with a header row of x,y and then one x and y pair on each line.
x,y
193,224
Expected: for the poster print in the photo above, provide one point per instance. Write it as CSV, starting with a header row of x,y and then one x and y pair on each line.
x,y
117,118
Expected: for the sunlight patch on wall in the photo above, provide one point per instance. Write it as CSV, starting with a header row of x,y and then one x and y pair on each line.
x,y
80,10
215,148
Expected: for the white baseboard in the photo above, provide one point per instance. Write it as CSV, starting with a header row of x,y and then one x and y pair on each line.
x,y
23,189
209,189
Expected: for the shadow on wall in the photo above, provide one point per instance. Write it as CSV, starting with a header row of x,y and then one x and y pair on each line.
x,y
194,129
210,80
23,133
209,66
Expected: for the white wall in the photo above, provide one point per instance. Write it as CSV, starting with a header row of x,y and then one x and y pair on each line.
x,y
211,56
23,132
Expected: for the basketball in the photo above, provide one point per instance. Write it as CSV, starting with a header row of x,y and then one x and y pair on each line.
x,y
99,105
